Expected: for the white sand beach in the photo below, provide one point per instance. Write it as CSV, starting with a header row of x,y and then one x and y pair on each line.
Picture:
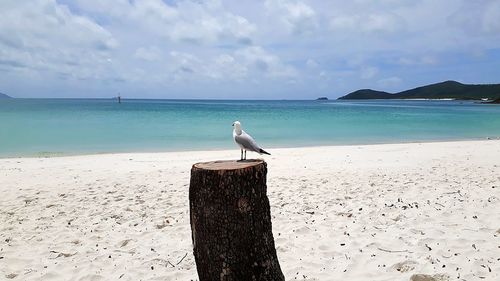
x,y
371,212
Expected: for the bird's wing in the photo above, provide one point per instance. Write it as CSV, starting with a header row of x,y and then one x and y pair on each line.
x,y
247,142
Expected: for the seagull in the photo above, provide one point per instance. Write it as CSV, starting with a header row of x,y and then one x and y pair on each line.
x,y
245,141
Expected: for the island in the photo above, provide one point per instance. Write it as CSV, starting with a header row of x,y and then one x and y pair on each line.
x,y
322,98
4,96
443,90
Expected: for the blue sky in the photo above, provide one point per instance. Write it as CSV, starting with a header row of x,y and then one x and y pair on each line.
x,y
280,49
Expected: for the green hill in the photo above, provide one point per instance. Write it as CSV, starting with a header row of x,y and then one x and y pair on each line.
x,y
443,90
367,94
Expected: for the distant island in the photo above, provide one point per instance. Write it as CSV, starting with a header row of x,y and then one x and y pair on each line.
x,y
4,96
322,98
443,90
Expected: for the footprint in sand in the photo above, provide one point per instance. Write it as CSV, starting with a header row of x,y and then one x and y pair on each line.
x,y
11,276
405,266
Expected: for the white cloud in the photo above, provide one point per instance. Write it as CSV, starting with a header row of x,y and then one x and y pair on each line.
x,y
368,72
298,17
385,3
478,17
355,60
380,22
208,29
43,36
152,53
243,63
184,66
227,67
266,63
188,21
310,63
116,8
390,82
422,60
491,20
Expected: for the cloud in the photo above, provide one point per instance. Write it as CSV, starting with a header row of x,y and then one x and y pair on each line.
x,y
41,22
422,60
298,17
208,29
196,22
152,53
265,63
384,4
368,72
159,47
310,63
371,23
185,65
227,67
243,63
390,82
477,17
43,36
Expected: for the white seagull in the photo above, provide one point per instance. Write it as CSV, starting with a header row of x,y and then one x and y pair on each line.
x,y
245,141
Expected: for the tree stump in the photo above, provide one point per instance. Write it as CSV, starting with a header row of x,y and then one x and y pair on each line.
x,y
231,222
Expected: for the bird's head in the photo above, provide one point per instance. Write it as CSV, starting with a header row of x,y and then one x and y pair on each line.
x,y
237,126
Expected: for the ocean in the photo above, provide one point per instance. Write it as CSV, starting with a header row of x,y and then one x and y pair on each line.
x,y
52,127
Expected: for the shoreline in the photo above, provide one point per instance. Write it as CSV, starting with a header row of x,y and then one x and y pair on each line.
x,y
75,154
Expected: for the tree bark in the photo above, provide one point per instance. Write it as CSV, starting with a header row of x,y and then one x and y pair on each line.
x,y
231,222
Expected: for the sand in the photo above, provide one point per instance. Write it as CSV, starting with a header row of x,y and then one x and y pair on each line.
x,y
374,212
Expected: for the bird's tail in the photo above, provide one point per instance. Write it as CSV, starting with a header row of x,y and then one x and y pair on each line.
x,y
262,151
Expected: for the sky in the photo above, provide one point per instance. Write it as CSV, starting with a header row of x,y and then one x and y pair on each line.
x,y
245,49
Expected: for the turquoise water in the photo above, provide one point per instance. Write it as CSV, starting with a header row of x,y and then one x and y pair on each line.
x,y
75,126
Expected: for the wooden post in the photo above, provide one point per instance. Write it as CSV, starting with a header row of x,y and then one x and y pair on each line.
x,y
231,222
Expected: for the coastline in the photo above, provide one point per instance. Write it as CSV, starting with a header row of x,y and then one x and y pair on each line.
x,y
48,154
357,212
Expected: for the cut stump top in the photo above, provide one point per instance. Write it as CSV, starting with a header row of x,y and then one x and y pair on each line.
x,y
223,165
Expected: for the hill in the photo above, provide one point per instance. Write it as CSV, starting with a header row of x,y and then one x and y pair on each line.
x,y
368,94
443,90
4,96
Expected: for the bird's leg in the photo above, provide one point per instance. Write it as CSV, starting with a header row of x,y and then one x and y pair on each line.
x,y
241,155
245,154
